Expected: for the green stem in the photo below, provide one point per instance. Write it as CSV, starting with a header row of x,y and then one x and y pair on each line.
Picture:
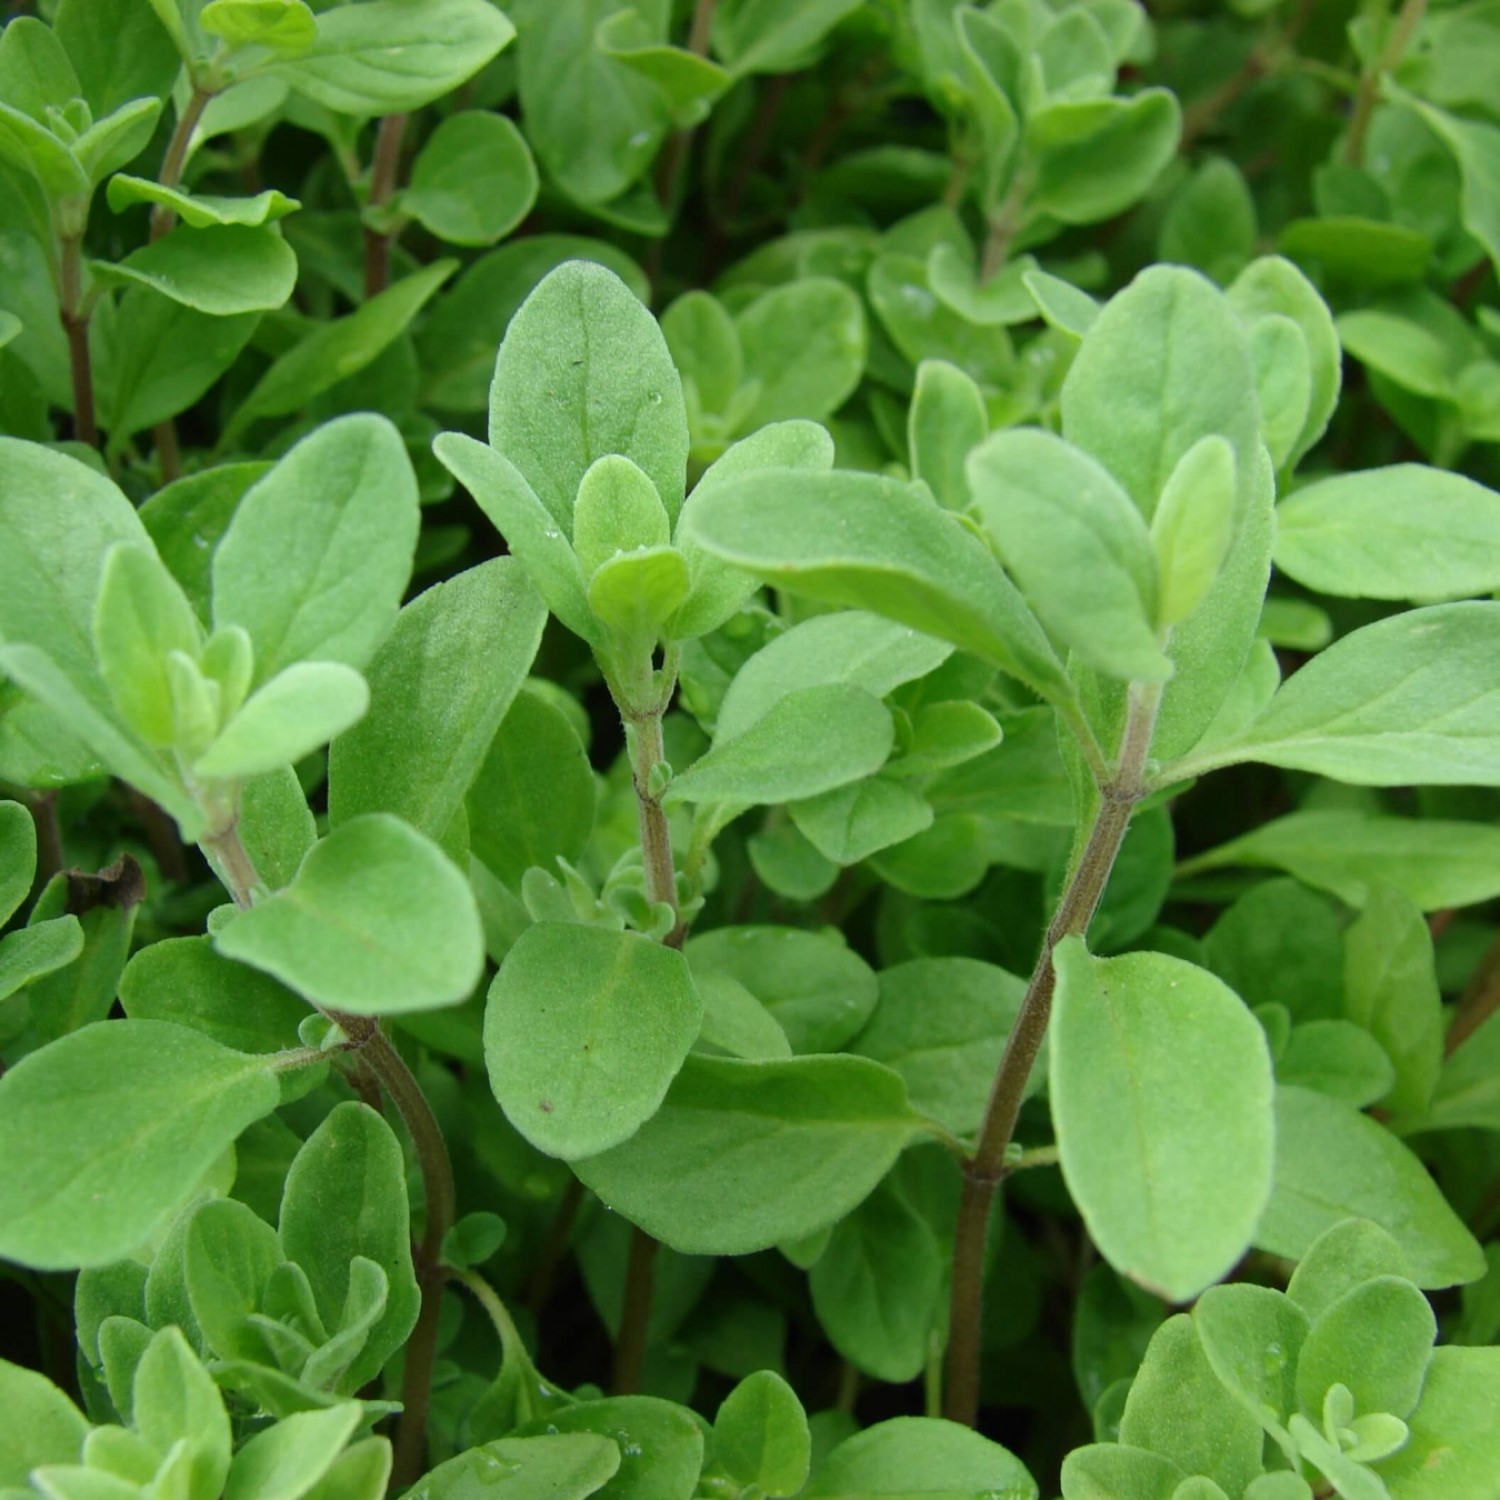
x,y
231,861
1004,224
988,1166
1396,43
383,172
489,1299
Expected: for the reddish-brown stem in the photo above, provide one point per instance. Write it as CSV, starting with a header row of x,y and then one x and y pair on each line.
x,y
986,1168
1480,1000
630,1347
49,847
162,216
559,1231
75,322
384,170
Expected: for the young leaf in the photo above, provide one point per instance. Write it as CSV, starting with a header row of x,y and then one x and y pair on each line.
x,y
1391,989
1334,1163
1161,1091
919,1455
1403,532
761,1437
174,1400
377,922
345,1198
946,421
228,1260
584,339
1413,698
314,564
1376,1340
852,822
175,1100
584,1031
289,1458
1070,537
1252,1337
42,1425
1345,1256
743,1155
868,542
616,510
300,709
440,686
1193,527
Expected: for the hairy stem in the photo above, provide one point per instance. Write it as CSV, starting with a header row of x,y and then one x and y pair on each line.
x,y
226,852
1398,38
383,171
75,322
985,1169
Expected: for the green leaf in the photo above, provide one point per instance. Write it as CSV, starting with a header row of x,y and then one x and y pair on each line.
x,y
441,684
705,347
562,1466
1096,157
911,1456
1334,1163
141,616
1454,1447
1178,1408
385,57
32,953
1337,1058
617,509
1252,1337
228,1259
377,922
595,123
1412,698
17,857
1273,287
532,800
175,1400
1391,989
1376,1340
878,1286
635,594
1070,537
200,210
334,351
941,1024
946,421
58,520
1165,365
1436,862
1062,305
165,357
660,1444
284,1462
819,992
283,25
1403,532
473,180
1161,1092
345,1198
1112,1471
584,1031
810,741
805,345
42,1425
187,519
457,342
1193,527
774,36
1343,1257
533,534
1210,222
174,1099
318,555
221,270
1475,145
868,542
852,822
1357,252
760,1435
689,82
298,710
119,49
744,1155
584,339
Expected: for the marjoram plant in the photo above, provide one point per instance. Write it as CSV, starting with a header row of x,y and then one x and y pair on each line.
x,y
750,749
